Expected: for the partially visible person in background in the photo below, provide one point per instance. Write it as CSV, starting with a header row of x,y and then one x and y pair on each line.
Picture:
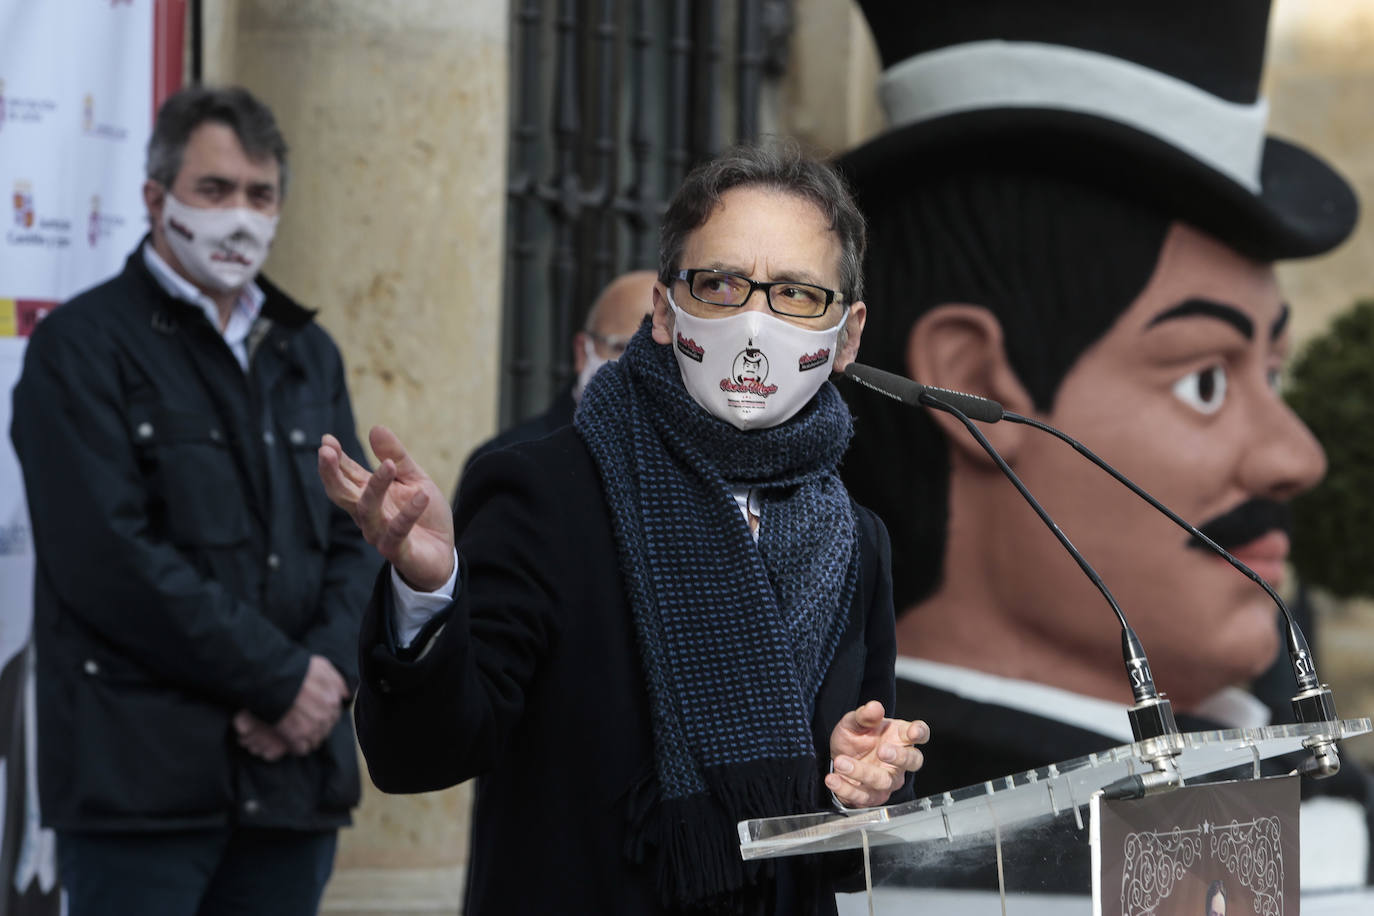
x,y
612,320
197,598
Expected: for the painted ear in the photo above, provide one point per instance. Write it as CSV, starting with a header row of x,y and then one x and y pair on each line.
x,y
960,347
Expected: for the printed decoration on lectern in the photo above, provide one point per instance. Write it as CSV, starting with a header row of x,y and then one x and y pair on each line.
x,y
1155,863
1169,854
1157,860
1252,853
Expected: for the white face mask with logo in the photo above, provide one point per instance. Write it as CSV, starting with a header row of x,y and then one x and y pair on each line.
x,y
591,361
753,369
222,249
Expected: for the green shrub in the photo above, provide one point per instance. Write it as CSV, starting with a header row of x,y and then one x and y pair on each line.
x,y
1331,386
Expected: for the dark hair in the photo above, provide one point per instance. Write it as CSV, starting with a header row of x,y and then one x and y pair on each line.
x,y
1216,887
233,106
1056,262
781,166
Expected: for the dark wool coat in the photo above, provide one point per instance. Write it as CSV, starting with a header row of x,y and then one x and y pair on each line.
x,y
189,562
534,684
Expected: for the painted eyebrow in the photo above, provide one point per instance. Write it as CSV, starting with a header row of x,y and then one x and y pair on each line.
x,y
1280,323
1206,308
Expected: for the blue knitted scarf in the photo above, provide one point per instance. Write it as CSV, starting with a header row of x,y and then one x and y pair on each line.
x,y
735,638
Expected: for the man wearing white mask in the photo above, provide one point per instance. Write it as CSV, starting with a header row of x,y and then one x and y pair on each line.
x,y
197,597
669,616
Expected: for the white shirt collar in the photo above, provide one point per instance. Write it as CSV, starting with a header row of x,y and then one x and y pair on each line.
x,y
246,308
1231,707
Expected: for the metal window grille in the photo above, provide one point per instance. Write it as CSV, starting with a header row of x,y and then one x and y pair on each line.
x,y
612,101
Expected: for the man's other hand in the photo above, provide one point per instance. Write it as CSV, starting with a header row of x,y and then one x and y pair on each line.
x,y
870,755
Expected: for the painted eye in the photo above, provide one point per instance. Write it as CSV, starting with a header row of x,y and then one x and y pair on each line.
x,y
1204,390
1275,379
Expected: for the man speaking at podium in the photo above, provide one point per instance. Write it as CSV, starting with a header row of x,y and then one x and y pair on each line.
x,y
668,617
1076,213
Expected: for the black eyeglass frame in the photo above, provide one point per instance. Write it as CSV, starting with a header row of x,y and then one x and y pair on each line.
x,y
687,275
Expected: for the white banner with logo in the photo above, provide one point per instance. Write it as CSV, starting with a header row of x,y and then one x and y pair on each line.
x,y
76,109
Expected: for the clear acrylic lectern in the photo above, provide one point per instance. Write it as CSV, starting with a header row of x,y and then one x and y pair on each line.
x,y
1018,844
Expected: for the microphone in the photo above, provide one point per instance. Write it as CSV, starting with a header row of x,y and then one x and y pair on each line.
x,y
1152,715
1313,702
915,394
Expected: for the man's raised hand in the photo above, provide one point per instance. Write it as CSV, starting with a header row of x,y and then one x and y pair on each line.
x,y
398,508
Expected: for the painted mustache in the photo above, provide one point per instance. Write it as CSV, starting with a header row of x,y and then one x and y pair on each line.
x,y
1245,523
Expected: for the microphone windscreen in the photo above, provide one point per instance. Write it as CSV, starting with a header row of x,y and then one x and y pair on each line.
x,y
903,389
890,384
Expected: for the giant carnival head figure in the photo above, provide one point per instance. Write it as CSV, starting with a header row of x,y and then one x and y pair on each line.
x,y
1076,211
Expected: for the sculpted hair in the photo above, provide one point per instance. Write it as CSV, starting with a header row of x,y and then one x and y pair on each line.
x,y
233,106
781,166
1055,260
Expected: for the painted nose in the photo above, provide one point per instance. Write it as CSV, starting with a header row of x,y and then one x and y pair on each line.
x,y
1284,458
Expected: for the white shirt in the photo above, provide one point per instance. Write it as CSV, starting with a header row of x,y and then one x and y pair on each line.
x,y
1231,707
246,308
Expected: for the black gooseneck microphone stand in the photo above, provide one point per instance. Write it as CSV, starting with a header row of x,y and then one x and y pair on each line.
x,y
1152,719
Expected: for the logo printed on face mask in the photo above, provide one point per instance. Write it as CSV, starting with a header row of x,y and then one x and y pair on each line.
x,y
229,256
749,374
689,348
181,228
814,360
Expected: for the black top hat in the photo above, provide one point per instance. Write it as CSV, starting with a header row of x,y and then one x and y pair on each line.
x,y
1158,99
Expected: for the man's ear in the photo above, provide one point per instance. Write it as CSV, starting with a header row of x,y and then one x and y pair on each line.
x,y
154,197
579,347
663,316
853,330
960,347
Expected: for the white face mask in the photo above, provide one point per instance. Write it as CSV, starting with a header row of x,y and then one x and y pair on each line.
x,y
222,249
591,362
752,369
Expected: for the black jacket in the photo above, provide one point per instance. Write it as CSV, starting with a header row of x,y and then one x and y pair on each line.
x,y
535,684
556,415
189,562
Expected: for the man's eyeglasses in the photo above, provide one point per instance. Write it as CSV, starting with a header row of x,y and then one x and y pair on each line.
x,y
797,300
613,344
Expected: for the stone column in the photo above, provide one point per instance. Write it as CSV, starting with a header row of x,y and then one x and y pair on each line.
x,y
393,227
827,98
1319,77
